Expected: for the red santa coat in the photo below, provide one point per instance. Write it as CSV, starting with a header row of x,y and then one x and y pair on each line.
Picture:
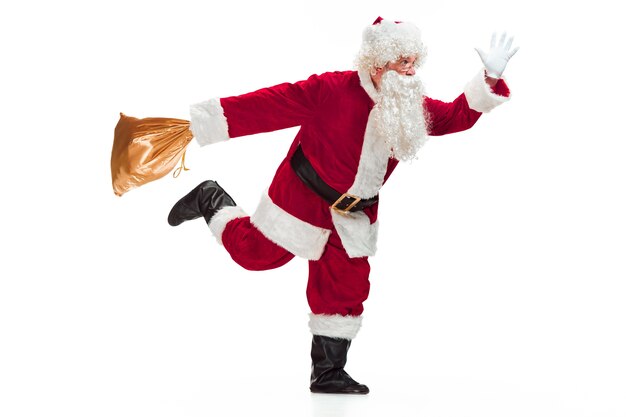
x,y
333,112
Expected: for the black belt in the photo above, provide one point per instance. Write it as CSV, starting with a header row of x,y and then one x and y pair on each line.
x,y
342,203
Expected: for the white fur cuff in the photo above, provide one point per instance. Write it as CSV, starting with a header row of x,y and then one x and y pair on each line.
x,y
222,217
479,95
336,325
208,123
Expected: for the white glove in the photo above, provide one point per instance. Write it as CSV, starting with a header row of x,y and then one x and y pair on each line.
x,y
497,58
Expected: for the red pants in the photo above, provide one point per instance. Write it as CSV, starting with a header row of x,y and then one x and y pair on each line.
x,y
337,283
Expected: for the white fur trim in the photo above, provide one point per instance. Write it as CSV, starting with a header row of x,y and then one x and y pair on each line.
x,y
208,123
222,217
372,163
336,325
479,95
358,236
368,84
297,236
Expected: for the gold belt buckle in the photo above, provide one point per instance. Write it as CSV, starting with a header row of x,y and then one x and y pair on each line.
x,y
345,211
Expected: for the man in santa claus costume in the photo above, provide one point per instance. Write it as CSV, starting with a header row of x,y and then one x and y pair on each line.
x,y
355,127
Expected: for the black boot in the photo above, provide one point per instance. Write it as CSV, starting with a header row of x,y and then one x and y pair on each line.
x,y
327,374
203,201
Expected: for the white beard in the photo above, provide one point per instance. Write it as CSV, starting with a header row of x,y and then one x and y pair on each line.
x,y
399,115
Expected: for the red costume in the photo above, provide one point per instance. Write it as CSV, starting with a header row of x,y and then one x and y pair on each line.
x,y
353,125
332,111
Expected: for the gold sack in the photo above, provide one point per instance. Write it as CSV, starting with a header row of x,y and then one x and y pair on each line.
x,y
145,150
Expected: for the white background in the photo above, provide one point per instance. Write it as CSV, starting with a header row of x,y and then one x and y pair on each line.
x,y
499,286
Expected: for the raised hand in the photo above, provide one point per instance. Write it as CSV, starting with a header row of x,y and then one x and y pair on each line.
x,y
495,61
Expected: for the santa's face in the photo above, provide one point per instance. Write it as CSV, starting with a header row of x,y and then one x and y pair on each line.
x,y
403,66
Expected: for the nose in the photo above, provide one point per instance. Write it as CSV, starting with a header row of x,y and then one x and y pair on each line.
x,y
411,71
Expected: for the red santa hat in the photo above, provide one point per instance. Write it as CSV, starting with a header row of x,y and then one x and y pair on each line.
x,y
386,41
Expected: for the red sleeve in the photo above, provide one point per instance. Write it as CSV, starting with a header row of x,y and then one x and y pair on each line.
x,y
501,88
445,118
273,108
